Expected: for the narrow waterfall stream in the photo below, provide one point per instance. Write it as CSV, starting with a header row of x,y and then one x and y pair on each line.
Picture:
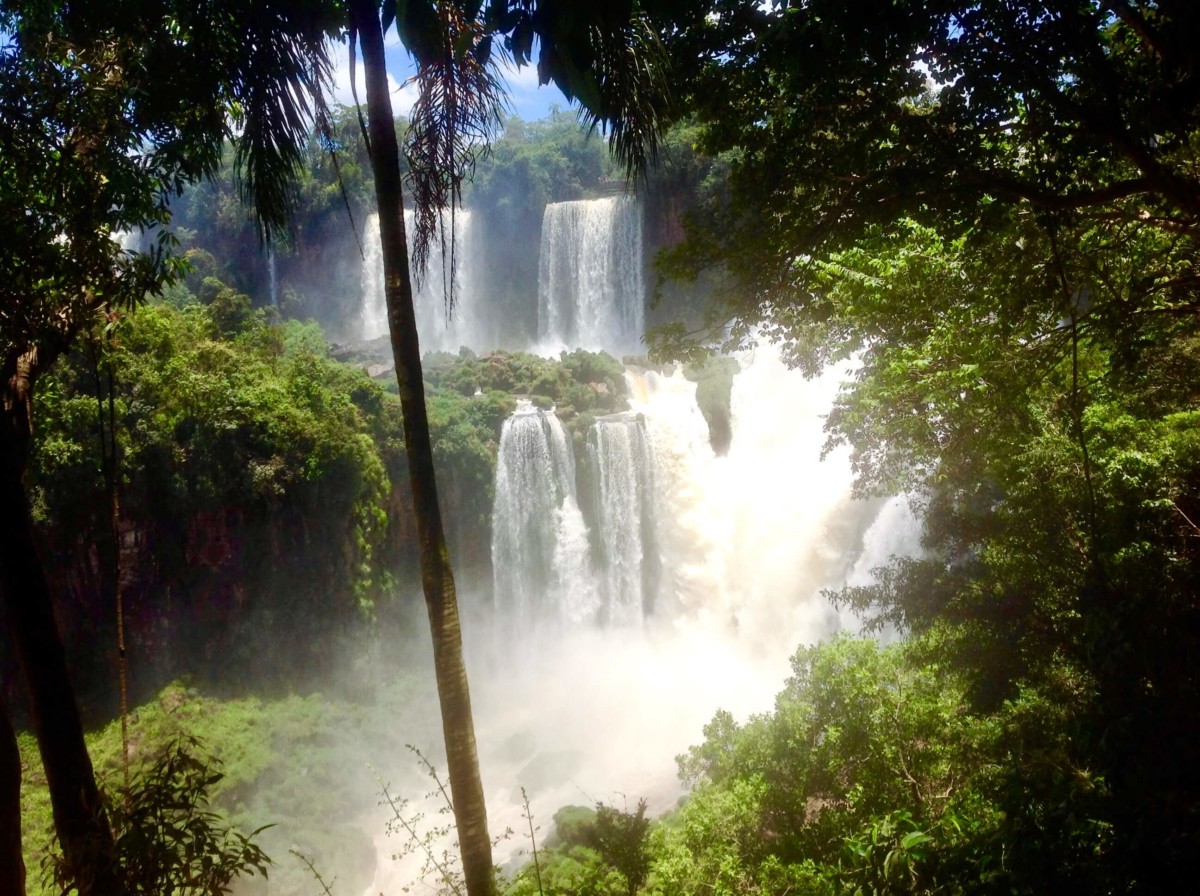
x,y
624,501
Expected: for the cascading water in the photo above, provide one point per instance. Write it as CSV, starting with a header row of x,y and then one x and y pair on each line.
x,y
437,328
744,542
624,500
274,284
590,282
655,582
750,539
374,306
894,532
540,554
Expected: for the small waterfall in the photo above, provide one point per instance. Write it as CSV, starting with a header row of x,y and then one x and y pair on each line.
x,y
437,328
894,532
540,553
271,273
590,283
374,306
619,451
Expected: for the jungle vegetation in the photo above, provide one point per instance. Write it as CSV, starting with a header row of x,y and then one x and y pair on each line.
x,y
993,208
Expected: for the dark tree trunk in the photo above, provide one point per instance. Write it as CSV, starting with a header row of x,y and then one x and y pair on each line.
x,y
12,863
79,816
470,814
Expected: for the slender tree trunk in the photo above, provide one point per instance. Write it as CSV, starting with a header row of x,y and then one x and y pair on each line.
x,y
12,863
79,816
458,729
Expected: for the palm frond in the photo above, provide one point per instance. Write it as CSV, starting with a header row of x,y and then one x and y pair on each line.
x,y
631,101
456,115
279,85
607,57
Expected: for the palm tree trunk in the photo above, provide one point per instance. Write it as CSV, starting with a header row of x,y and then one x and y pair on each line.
x,y
79,816
441,601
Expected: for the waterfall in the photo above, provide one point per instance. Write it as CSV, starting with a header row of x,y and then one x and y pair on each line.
x,y
271,273
438,328
542,548
746,542
732,552
590,284
894,532
619,451
540,553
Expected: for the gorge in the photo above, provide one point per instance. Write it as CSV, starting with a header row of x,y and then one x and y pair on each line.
x,y
875,572
640,579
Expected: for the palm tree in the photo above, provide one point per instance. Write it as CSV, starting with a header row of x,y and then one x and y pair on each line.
x,y
437,577
613,65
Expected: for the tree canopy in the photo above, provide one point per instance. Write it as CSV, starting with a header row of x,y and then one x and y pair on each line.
x,y
109,109
992,208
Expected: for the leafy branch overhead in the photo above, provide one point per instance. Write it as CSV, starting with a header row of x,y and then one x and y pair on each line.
x,y
993,209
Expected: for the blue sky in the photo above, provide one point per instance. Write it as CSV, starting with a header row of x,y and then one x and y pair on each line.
x,y
526,98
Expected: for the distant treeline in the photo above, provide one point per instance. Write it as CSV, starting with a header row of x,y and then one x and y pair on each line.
x,y
318,264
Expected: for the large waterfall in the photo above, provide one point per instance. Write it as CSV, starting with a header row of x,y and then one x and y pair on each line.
x,y
745,542
451,265
540,550
589,293
640,580
590,283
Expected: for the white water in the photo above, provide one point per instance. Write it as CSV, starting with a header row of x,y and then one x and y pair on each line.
x,y
577,711
699,578
539,542
751,538
274,284
894,532
621,457
438,327
590,282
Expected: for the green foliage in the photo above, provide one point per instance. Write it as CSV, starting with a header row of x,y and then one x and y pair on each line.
x,y
167,837
580,383
295,766
620,839
874,775
570,826
537,162
218,409
601,852
948,204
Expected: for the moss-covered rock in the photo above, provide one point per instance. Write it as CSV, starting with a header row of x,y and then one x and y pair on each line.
x,y
714,391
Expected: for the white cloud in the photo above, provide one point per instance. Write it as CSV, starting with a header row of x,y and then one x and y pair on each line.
x,y
403,94
526,97
525,76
